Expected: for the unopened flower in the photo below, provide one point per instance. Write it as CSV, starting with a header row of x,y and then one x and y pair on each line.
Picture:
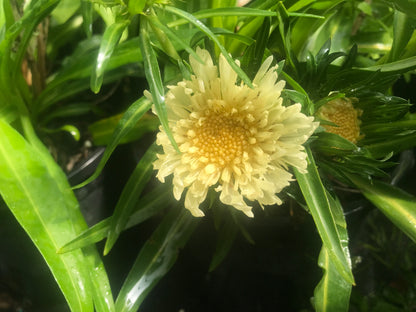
x,y
239,140
342,113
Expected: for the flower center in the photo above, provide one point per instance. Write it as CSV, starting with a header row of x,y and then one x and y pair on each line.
x,y
220,139
342,113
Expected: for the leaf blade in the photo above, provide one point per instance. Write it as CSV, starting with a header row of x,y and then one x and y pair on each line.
x,y
394,203
189,17
109,42
126,123
24,193
155,259
154,79
130,195
318,203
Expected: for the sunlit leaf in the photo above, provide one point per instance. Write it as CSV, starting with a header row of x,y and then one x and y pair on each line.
x,y
396,204
154,79
36,200
197,23
109,42
333,291
127,122
156,24
65,9
402,32
319,206
102,130
136,6
231,11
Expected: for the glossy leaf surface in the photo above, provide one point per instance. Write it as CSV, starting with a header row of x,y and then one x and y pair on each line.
x,y
333,291
46,214
109,42
318,203
154,79
197,23
126,123
396,204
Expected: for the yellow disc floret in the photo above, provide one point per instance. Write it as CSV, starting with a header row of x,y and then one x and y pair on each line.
x,y
342,113
238,141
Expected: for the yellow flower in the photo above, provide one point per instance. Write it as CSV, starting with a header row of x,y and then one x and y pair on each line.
x,y
240,140
342,113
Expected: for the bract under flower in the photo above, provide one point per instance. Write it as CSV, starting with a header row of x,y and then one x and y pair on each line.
x,y
239,140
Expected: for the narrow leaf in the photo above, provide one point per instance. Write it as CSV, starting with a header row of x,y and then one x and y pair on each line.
x,y
318,203
102,130
147,207
396,204
127,122
38,204
154,79
87,11
332,292
398,67
155,259
197,23
231,11
130,195
109,42
155,22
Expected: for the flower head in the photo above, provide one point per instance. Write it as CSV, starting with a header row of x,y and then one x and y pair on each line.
x,y
238,139
342,113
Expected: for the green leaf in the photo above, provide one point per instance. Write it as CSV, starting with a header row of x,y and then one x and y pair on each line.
x,y
149,205
318,203
87,11
396,67
154,79
332,293
129,197
197,23
406,6
109,42
76,71
253,56
231,11
394,144
156,24
33,15
156,258
396,204
65,9
102,130
402,32
127,122
331,144
136,6
37,202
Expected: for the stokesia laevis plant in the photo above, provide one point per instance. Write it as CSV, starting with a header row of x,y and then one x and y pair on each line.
x,y
240,140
